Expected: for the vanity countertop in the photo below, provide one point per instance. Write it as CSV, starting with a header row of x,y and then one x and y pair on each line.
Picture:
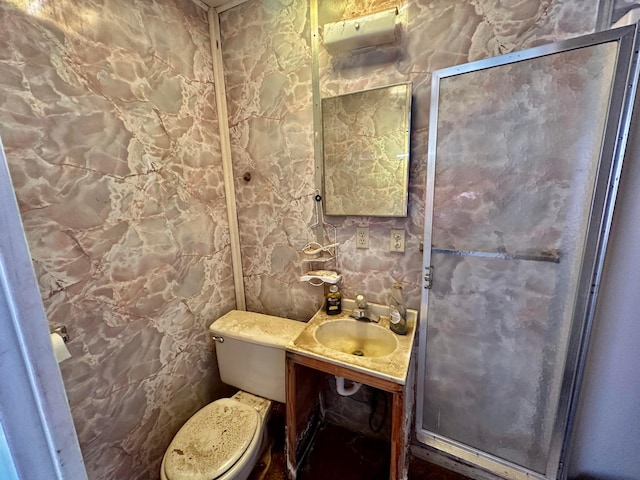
x,y
392,367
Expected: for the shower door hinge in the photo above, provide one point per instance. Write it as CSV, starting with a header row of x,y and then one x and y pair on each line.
x,y
428,278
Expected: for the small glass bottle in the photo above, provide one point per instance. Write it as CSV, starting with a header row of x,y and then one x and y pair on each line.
x,y
334,301
397,310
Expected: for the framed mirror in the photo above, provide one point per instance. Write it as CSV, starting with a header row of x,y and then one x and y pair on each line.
x,y
366,152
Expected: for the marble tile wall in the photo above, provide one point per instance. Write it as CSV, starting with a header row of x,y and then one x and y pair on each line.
x,y
107,114
267,63
267,59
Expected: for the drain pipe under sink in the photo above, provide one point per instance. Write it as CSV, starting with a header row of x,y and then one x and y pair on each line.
x,y
346,392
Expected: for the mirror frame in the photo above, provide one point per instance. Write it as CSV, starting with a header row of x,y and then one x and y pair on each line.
x,y
398,208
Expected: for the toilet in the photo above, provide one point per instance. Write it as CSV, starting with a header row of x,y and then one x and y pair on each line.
x,y
224,439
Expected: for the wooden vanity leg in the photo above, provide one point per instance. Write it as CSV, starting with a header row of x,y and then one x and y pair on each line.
x,y
291,439
303,411
398,454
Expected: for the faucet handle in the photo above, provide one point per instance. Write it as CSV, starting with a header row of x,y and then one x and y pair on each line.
x,y
361,302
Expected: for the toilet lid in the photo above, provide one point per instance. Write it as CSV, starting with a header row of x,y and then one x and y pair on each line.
x,y
211,441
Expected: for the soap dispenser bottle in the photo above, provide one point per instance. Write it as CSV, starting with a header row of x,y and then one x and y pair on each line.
x,y
334,301
397,310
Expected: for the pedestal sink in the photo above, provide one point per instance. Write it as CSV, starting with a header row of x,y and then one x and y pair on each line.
x,y
356,338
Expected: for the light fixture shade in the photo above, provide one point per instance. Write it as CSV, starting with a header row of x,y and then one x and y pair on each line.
x,y
360,32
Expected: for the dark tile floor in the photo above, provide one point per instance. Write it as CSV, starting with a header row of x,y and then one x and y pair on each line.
x,y
338,454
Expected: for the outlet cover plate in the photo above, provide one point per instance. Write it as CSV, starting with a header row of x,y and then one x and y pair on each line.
x,y
396,241
362,237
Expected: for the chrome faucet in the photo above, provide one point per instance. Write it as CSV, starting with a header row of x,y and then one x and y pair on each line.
x,y
363,312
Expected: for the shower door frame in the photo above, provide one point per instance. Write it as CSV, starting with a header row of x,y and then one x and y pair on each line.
x,y
623,91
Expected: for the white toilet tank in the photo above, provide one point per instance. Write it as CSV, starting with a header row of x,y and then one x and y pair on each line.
x,y
252,355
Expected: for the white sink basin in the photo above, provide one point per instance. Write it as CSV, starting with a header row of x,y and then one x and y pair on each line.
x,y
356,338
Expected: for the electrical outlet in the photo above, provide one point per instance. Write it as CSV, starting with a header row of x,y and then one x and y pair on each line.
x,y
396,241
362,237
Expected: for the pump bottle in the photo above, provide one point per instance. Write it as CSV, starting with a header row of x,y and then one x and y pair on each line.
x,y
397,310
334,301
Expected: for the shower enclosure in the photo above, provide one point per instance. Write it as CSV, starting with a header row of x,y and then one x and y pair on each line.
x,y
525,152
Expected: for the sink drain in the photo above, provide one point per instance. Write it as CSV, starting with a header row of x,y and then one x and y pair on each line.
x,y
358,353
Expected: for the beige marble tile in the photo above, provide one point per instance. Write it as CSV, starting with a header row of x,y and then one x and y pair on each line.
x,y
267,60
107,113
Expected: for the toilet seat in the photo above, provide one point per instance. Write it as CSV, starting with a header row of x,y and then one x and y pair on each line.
x,y
212,441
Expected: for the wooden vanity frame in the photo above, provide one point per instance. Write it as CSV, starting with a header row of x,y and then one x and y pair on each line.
x,y
302,417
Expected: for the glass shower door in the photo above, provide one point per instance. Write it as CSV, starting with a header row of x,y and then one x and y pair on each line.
x,y
521,180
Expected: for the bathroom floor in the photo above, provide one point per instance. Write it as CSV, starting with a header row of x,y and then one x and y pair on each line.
x,y
337,454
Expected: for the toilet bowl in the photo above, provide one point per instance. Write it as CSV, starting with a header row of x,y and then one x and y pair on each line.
x,y
223,440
